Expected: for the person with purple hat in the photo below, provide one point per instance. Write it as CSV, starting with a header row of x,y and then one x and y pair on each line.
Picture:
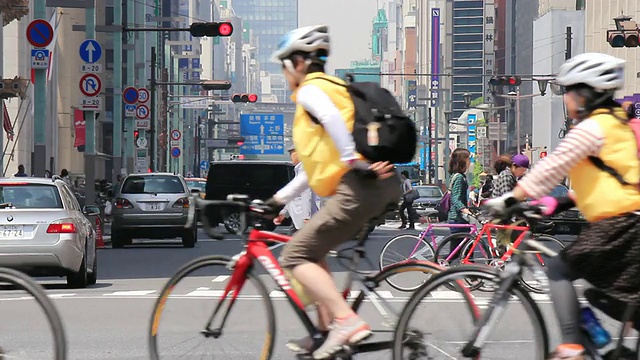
x,y
508,178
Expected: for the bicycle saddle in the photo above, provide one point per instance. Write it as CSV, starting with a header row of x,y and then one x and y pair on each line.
x,y
611,306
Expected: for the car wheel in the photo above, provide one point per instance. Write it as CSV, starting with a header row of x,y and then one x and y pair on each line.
x,y
232,223
79,279
92,278
189,237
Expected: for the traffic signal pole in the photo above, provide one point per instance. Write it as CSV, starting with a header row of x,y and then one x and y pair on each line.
x,y
40,105
90,120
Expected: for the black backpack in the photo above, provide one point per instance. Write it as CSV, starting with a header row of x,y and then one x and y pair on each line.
x,y
381,130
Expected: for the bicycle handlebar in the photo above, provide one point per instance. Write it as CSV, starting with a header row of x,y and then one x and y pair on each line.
x,y
237,202
531,213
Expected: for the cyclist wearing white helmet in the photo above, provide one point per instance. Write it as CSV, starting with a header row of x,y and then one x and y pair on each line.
x,y
359,191
606,253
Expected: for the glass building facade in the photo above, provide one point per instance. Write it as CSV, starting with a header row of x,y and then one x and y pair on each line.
x,y
468,49
269,20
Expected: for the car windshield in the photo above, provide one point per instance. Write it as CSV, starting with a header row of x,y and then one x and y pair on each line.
x,y
200,185
429,192
31,196
559,191
156,184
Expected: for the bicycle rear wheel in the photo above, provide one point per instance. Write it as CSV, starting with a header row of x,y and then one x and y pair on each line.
x,y
196,293
448,307
20,281
527,279
402,248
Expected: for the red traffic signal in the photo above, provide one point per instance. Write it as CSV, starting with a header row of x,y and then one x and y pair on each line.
x,y
236,141
212,29
244,98
505,81
623,38
543,154
136,133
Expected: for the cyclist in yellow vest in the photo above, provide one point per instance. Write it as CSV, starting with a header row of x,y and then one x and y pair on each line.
x,y
359,191
607,254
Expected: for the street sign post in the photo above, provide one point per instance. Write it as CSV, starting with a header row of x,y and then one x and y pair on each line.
x,y
90,51
142,112
143,95
141,142
175,152
204,165
176,135
142,162
90,85
94,103
91,68
143,124
263,134
39,58
129,110
130,95
39,33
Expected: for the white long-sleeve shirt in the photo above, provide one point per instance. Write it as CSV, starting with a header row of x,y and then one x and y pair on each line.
x,y
318,104
584,140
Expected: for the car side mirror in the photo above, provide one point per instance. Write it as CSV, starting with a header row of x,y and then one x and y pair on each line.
x,y
91,210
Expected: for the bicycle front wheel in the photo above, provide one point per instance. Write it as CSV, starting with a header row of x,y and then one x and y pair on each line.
x,y
21,282
198,324
402,248
517,330
527,279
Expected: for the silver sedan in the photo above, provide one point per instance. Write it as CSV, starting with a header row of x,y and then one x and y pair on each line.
x,y
44,232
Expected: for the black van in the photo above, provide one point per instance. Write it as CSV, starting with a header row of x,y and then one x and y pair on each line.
x,y
259,179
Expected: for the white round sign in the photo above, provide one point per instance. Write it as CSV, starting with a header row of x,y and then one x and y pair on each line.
x,y
143,95
141,142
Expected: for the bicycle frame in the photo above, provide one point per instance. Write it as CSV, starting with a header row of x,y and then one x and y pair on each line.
x,y
428,231
486,230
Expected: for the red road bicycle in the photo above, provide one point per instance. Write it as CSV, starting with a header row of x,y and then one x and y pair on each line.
x,y
480,248
242,267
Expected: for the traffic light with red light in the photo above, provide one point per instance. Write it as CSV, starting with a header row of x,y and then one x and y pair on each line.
x,y
216,85
505,81
211,29
244,98
237,157
236,141
543,153
136,134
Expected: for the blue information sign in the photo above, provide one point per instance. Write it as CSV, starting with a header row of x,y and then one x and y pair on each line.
x,y
204,165
175,151
90,51
472,136
263,134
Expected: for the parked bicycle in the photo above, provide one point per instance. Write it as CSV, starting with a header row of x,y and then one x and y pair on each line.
x,y
242,267
509,292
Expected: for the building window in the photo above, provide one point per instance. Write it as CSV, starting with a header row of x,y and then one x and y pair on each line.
x,y
467,38
467,80
468,46
468,4
108,100
468,30
463,55
108,54
468,13
109,18
468,20
467,63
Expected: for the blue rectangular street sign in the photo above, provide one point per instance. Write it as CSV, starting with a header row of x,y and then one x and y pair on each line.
x,y
263,134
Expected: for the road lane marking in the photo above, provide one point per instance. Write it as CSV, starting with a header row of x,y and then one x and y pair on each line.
x,y
57,296
130,293
220,278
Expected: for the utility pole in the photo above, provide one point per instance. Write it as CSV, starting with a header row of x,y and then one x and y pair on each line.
x,y
40,106
567,53
432,140
118,117
90,119
153,151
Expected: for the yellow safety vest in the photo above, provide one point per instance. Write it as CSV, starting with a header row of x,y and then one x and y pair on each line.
x,y
318,153
599,195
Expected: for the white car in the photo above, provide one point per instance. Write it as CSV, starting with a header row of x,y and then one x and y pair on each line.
x,y
44,232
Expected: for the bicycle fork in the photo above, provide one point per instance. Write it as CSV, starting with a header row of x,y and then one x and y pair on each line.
x,y
494,311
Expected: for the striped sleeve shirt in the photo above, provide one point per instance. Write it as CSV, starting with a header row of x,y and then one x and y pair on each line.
x,y
584,140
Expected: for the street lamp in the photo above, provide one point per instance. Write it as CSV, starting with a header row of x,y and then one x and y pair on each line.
x,y
448,115
467,99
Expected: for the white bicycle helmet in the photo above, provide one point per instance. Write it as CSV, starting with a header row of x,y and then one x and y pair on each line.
x,y
604,73
308,39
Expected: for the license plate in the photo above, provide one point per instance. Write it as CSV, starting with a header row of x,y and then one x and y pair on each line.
x,y
153,207
11,231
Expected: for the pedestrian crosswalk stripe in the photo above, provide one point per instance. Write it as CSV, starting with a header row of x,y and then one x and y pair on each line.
x,y
131,293
220,278
55,296
206,292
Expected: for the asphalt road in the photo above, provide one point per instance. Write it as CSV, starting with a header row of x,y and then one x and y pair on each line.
x,y
110,320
